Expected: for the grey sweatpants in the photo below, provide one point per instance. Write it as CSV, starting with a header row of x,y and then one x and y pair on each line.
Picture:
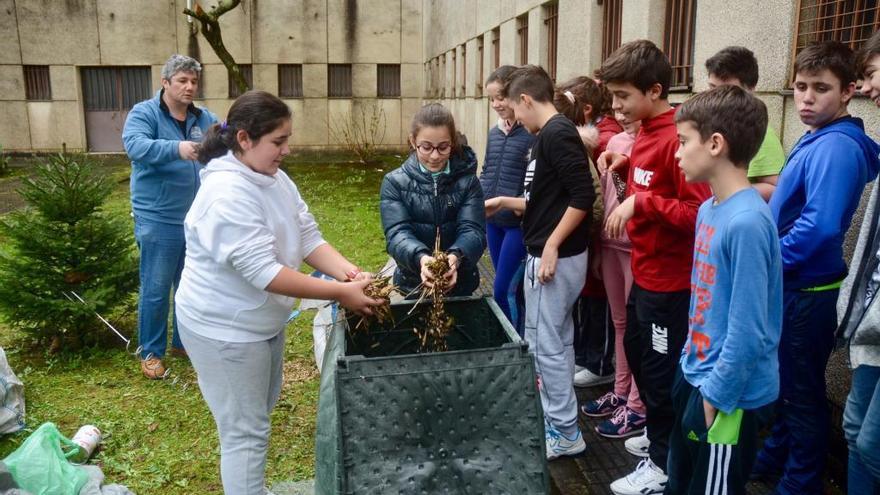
x,y
241,383
549,330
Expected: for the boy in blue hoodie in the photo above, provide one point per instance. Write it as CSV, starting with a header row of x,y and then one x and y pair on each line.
x,y
818,191
728,379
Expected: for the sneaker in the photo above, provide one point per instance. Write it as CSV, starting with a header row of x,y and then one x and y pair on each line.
x,y
560,445
638,446
153,368
603,406
586,378
624,423
645,480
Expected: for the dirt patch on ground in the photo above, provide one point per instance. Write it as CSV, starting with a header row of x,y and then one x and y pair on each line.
x,y
299,371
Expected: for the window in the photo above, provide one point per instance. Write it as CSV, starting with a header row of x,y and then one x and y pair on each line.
x,y
496,48
339,80
290,80
463,71
848,21
248,73
678,41
388,80
480,65
454,74
108,89
522,34
551,22
442,76
611,16
37,86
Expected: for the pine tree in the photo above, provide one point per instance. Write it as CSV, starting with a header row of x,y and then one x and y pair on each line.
x,y
63,243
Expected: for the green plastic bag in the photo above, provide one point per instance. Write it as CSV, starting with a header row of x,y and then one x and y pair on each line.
x,y
40,464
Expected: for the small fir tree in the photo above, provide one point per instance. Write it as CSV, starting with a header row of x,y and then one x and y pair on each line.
x,y
63,243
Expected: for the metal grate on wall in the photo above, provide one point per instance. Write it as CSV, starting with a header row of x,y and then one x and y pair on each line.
x,y
612,11
551,23
248,72
678,41
339,80
114,88
290,80
37,85
848,21
388,80
522,34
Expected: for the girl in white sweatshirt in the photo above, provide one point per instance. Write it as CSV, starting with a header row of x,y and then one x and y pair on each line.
x,y
247,233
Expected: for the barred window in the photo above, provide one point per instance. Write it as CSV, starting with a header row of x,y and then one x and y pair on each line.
x,y
522,33
496,48
339,80
678,41
551,22
37,86
454,74
848,21
388,80
480,66
463,90
290,80
114,88
248,72
612,11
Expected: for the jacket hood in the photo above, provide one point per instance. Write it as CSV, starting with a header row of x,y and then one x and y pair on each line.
x,y
462,163
229,163
853,127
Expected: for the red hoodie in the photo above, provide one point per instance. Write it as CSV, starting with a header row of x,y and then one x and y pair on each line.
x,y
662,228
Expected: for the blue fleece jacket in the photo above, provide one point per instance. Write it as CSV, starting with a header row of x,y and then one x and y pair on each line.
x,y
735,322
818,191
504,168
163,185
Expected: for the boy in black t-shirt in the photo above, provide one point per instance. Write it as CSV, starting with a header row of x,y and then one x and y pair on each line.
x,y
558,195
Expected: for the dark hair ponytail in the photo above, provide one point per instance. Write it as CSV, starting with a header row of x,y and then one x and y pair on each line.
x,y
256,112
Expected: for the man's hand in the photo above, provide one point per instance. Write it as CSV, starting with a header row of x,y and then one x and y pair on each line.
x,y
709,412
188,150
615,225
611,161
547,270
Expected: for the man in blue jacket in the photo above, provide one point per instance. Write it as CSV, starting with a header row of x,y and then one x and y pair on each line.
x,y
818,191
161,136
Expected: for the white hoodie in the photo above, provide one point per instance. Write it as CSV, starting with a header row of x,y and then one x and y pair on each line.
x,y
241,229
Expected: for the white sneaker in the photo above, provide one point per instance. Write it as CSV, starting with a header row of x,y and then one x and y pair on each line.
x,y
586,378
647,479
560,445
638,446
578,368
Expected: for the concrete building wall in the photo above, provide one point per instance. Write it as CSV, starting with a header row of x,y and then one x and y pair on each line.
x,y
72,34
767,28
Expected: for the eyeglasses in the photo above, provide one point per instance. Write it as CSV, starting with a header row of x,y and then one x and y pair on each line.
x,y
428,148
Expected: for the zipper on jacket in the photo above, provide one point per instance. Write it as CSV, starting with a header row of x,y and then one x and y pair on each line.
x,y
500,164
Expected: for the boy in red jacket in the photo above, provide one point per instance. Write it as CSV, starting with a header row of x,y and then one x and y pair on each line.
x,y
659,215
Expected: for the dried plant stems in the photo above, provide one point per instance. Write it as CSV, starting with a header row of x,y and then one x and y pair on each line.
x,y
381,289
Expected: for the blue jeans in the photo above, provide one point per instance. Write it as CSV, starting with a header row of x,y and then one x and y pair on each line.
x,y
507,251
798,444
861,425
162,248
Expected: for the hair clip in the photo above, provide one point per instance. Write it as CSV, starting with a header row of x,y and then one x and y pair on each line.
x,y
223,126
568,94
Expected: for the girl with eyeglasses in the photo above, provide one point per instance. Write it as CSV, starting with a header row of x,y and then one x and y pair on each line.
x,y
435,191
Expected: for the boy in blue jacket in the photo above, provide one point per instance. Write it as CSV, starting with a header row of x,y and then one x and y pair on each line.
x,y
818,191
728,377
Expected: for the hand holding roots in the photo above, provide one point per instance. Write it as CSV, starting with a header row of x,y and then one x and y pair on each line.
x,y
438,324
380,289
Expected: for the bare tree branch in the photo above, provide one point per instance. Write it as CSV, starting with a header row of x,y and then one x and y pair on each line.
x,y
211,31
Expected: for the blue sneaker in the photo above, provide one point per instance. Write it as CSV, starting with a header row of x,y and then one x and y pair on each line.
x,y
603,406
624,423
559,445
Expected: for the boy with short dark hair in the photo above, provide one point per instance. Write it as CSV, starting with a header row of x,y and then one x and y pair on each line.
x,y
813,205
737,65
558,195
859,317
729,377
659,216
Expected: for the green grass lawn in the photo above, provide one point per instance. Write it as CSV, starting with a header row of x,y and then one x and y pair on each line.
x,y
159,436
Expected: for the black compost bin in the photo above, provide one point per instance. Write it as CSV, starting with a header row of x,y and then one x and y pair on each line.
x,y
467,420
